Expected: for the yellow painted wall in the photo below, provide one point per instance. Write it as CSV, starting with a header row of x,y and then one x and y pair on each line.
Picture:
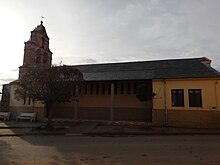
x,y
210,93
104,100
120,100
20,103
210,96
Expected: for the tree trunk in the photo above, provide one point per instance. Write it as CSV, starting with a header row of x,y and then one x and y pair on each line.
x,y
50,114
33,105
149,112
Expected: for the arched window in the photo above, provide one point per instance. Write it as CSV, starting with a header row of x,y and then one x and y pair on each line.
x,y
43,42
45,58
38,57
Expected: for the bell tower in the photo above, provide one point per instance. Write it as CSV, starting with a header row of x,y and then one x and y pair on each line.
x,y
36,50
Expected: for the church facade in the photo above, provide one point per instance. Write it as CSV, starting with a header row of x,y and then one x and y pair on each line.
x,y
187,90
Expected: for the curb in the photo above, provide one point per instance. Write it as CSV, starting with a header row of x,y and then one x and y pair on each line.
x,y
30,134
16,127
110,134
149,134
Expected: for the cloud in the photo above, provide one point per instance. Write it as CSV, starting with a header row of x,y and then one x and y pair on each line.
x,y
125,30
7,77
15,70
5,81
144,30
90,61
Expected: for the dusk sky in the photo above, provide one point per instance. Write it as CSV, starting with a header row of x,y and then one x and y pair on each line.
x,y
97,31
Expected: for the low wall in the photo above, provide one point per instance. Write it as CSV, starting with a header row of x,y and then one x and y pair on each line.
x,y
132,114
98,113
188,118
176,118
82,113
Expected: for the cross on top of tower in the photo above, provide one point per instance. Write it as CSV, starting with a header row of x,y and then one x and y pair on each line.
x,y
41,22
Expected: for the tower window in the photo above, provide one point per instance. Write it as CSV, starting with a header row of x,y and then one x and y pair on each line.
x,y
37,59
45,59
43,42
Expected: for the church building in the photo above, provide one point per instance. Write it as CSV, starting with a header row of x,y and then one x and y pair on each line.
x,y
187,90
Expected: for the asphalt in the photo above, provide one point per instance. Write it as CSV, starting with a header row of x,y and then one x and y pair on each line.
x,y
95,128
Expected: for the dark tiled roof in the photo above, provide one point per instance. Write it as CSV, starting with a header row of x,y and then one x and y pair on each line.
x,y
161,69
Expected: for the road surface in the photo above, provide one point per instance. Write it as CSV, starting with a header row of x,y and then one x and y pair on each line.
x,y
82,150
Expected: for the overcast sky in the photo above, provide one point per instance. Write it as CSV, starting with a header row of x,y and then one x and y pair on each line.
x,y
97,31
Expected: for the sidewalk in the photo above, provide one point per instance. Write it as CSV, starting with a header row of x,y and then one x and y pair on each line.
x,y
96,128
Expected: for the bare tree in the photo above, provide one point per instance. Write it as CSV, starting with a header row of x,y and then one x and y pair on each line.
x,y
49,85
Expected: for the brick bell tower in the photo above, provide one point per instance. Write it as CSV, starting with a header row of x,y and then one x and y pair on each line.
x,y
36,50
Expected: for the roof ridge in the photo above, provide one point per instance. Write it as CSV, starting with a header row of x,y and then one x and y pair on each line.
x,y
144,61
212,69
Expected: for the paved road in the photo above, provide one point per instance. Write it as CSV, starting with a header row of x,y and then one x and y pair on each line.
x,y
110,150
